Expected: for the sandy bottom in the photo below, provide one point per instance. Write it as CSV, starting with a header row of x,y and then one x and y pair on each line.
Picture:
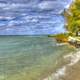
x,y
73,68
68,68
73,73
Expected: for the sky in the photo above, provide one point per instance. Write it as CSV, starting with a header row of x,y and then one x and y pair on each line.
x,y
25,17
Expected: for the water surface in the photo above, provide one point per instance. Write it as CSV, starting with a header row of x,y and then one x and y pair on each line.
x,y
28,58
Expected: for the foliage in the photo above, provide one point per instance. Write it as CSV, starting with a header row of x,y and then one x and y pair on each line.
x,y
73,22
74,19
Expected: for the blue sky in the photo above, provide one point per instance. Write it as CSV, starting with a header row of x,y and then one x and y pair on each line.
x,y
25,17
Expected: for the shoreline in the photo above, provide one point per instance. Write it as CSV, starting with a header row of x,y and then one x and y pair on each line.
x,y
69,61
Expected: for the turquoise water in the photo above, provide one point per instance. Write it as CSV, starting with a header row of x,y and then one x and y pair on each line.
x,y
28,58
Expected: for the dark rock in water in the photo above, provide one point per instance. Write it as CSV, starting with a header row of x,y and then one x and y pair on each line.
x,y
25,17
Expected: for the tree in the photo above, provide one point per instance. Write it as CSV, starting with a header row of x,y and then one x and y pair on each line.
x,y
74,20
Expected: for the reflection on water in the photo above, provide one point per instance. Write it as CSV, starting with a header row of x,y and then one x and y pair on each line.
x,y
24,17
28,58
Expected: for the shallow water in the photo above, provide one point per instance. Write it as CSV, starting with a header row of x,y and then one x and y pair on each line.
x,y
28,58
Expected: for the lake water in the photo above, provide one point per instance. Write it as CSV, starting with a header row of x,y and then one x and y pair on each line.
x,y
28,58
